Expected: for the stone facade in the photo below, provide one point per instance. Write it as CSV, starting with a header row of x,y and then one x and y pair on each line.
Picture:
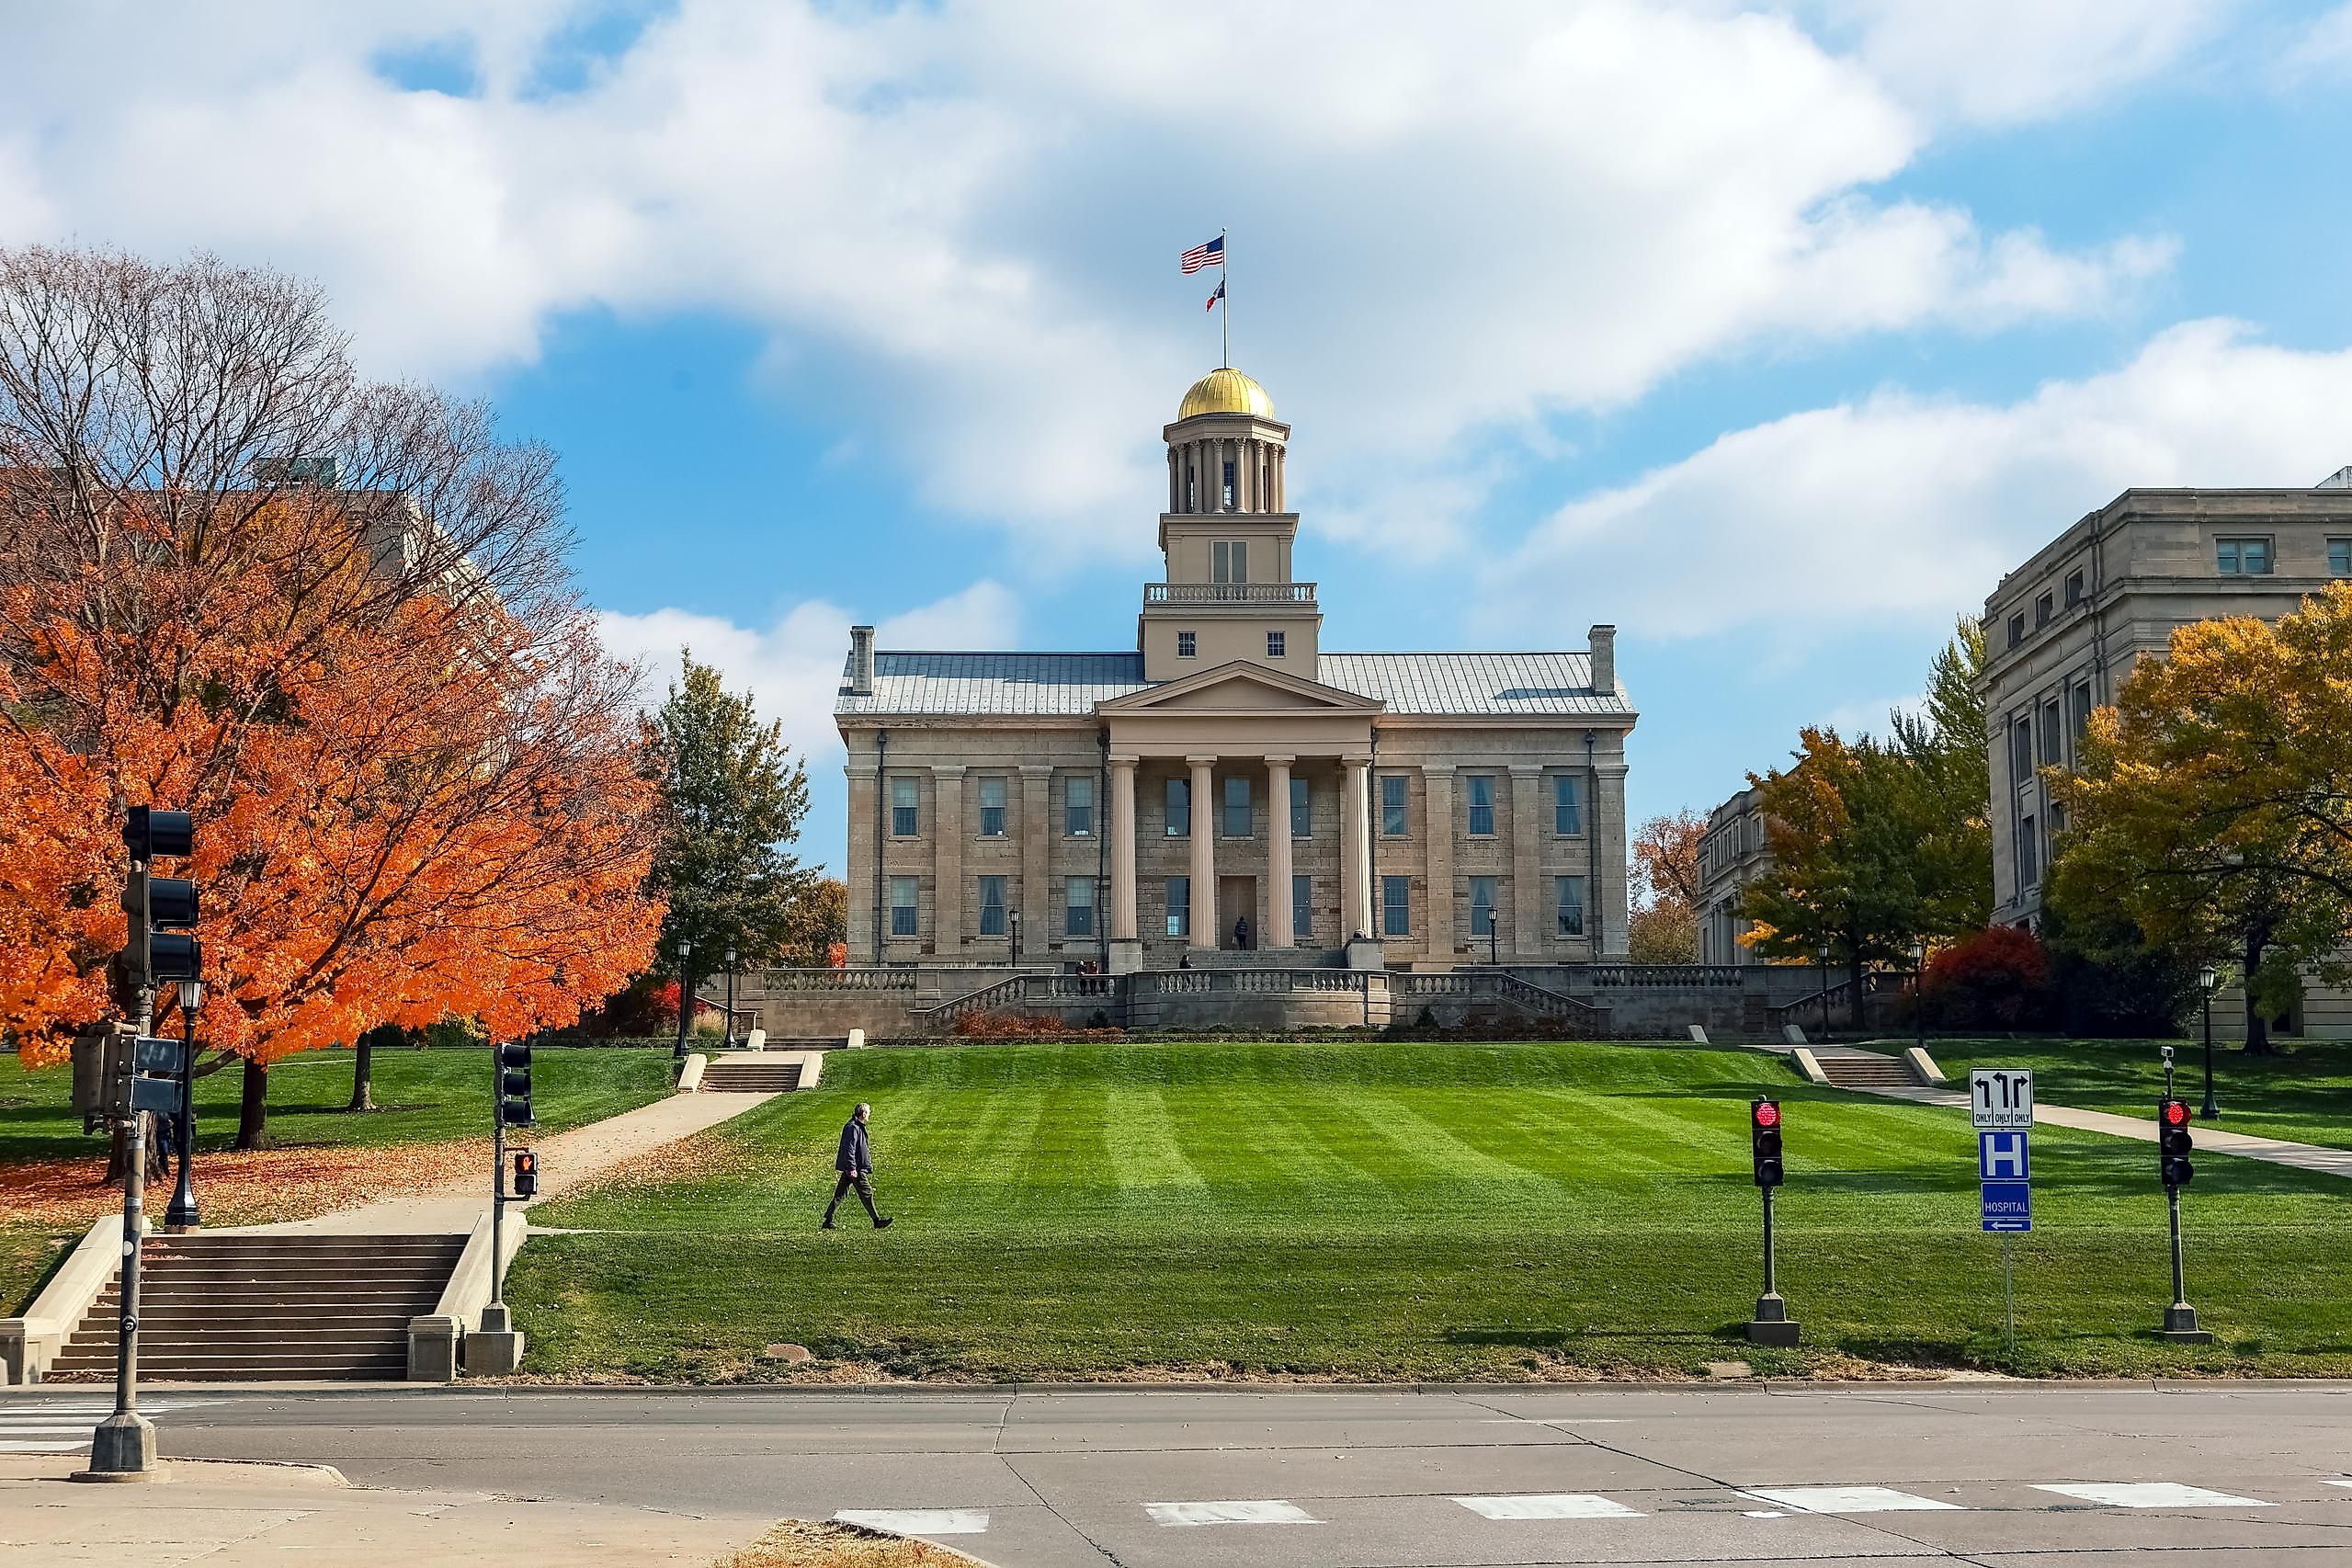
x,y
1733,854
2065,628
1230,782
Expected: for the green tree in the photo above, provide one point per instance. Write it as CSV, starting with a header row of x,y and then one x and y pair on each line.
x,y
733,800
2214,801
820,923
1945,746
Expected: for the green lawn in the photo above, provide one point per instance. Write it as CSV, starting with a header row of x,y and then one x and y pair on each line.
x,y
1383,1211
424,1096
2303,1094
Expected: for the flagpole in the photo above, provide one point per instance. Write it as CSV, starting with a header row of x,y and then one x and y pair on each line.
x,y
1225,296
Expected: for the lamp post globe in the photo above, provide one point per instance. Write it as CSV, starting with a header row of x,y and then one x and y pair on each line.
x,y
2211,1109
182,1214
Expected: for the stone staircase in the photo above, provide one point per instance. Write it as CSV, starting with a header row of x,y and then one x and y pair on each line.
x,y
749,1074
268,1308
1848,1069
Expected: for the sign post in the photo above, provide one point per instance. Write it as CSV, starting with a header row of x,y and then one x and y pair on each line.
x,y
2000,1104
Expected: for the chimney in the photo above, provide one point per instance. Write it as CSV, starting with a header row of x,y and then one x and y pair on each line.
x,y
861,660
1605,661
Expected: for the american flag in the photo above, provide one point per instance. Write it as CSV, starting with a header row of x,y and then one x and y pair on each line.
x,y
1210,254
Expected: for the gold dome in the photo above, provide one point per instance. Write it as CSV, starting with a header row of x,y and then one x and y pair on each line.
x,y
1226,391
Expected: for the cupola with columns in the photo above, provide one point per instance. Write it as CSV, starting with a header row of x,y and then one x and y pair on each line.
x,y
1227,539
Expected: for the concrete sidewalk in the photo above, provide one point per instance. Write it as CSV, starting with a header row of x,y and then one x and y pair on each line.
x,y
229,1515
2275,1150
567,1161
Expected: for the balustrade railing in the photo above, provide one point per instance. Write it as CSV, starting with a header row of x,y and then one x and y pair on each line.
x,y
1228,593
782,981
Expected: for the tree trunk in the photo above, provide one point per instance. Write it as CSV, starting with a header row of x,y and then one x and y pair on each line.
x,y
1861,1025
363,1074
119,1150
252,1106
2257,1027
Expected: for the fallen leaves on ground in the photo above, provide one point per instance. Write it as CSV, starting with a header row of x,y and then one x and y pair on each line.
x,y
254,1188
796,1543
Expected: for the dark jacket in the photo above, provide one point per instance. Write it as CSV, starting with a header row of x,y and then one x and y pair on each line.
x,y
854,1158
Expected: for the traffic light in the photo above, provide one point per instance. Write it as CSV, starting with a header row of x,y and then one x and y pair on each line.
x,y
525,1174
515,1085
1764,1141
2173,1142
166,907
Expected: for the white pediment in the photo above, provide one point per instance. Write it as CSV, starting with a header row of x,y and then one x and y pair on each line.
x,y
1241,686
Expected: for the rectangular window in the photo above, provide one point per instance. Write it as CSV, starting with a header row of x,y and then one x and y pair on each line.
x,y
2016,630
1078,807
1568,899
905,820
2052,757
1228,560
903,906
2246,556
1179,897
2074,589
1276,643
2339,557
1078,907
2022,752
1567,811
1396,906
1230,494
2029,854
992,808
1302,810
1393,789
1482,906
1237,809
2042,610
1482,804
2080,702
992,906
1302,908
1179,809
1187,645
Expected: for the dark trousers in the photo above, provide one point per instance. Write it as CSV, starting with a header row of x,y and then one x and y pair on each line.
x,y
865,1186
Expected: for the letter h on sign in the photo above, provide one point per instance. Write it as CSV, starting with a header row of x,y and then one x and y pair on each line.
x,y
2001,1156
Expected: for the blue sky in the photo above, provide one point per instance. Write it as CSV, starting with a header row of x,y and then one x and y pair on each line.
x,y
1770,333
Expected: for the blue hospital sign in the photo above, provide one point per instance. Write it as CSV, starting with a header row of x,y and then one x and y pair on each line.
x,y
2001,1156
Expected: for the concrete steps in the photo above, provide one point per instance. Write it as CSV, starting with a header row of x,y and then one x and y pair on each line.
x,y
261,1308
1864,1071
749,1076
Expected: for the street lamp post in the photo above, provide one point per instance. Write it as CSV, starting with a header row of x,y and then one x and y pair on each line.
x,y
1919,990
730,994
1823,955
1013,924
685,992
1494,939
182,1215
2211,1110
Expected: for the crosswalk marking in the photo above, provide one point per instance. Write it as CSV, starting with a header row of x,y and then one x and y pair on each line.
x,y
1548,1506
2152,1494
1843,1499
1264,1511
49,1427
917,1521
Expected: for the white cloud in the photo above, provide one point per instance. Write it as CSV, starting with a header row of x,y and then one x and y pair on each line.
x,y
792,666
957,221
2324,48
2007,60
1900,510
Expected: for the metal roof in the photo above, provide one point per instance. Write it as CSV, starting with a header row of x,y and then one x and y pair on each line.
x,y
1047,685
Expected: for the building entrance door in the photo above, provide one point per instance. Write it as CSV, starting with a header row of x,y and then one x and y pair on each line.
x,y
1236,902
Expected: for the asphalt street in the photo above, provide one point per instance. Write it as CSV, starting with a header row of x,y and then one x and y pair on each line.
x,y
2188,1476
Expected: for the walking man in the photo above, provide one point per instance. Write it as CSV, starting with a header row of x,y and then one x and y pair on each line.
x,y
855,1161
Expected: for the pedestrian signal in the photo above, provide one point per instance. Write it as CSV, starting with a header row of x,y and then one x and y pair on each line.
x,y
525,1174
1764,1141
2173,1142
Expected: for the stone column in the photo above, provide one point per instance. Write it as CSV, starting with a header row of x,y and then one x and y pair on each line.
x,y
865,855
1204,852
1605,902
1037,859
1246,470
1277,853
1530,899
1356,853
1281,463
946,862
1438,827
1121,914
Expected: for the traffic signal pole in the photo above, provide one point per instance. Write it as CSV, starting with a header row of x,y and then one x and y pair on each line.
x,y
1770,1325
123,1446
2174,1146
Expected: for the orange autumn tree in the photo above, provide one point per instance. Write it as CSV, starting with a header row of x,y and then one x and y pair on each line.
x,y
329,620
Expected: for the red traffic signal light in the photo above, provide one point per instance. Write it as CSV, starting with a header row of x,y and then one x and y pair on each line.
x,y
2176,1113
2173,1142
1766,1113
1763,1141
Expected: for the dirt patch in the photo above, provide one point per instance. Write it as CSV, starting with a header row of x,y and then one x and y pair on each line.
x,y
796,1543
263,1186
710,1152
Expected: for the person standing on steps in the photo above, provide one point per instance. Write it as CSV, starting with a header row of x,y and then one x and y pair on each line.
x,y
855,1162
